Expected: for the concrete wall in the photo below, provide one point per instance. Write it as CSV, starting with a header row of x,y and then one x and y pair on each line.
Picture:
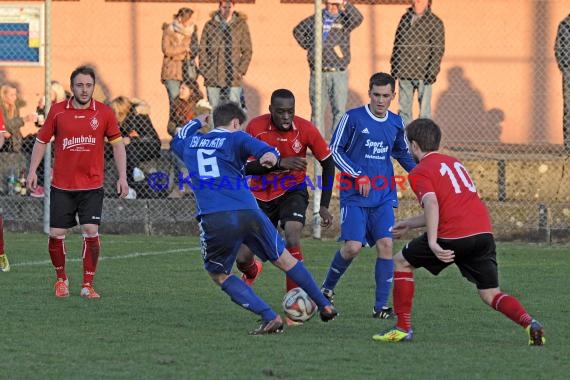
x,y
501,49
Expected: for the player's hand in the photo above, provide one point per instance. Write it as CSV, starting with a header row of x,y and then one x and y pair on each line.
x,y
268,160
326,217
364,188
400,229
122,187
445,255
293,163
204,118
32,181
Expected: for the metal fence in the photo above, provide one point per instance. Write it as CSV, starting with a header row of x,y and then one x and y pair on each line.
x,y
524,180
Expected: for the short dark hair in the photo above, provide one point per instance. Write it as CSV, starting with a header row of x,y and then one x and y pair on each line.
x,y
382,79
85,70
224,113
426,133
282,93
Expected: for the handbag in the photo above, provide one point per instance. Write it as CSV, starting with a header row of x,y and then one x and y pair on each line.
x,y
190,71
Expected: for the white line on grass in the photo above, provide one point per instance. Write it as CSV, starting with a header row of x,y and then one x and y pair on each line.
x,y
122,257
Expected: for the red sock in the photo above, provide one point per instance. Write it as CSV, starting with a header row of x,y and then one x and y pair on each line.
x,y
512,309
91,247
249,268
402,295
56,248
1,236
296,253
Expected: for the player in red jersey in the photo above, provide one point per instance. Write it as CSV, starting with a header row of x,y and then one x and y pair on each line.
x,y
81,126
458,231
281,191
4,263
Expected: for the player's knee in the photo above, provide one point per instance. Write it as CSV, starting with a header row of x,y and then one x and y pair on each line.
x,y
350,250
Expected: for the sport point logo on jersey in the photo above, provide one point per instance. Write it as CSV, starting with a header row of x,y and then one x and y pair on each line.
x,y
79,144
378,150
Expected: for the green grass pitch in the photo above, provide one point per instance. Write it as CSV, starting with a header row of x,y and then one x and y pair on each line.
x,y
160,317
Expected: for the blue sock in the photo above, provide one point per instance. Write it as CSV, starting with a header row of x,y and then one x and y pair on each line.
x,y
384,273
245,297
338,266
304,279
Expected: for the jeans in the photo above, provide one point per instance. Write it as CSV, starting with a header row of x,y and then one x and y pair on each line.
x,y
566,114
172,88
214,95
335,90
406,89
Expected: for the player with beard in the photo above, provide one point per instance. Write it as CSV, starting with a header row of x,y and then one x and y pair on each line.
x,y
281,191
363,145
81,126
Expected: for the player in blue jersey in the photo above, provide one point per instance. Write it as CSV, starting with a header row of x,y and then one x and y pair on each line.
x,y
229,216
363,143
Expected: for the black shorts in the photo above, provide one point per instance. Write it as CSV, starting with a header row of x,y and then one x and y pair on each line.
x,y
65,205
291,206
475,257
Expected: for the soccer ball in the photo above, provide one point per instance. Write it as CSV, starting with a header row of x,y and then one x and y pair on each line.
x,y
298,306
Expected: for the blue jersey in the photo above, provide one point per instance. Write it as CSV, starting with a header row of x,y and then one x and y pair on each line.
x,y
215,163
362,145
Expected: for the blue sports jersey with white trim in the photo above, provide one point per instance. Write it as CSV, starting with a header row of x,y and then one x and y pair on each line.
x,y
362,145
215,163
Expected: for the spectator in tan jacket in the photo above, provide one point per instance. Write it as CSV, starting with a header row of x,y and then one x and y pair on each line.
x,y
13,122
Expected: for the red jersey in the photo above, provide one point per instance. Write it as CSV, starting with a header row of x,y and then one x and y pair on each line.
x,y
461,212
291,143
79,143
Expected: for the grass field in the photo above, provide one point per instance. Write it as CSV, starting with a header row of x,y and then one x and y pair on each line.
x,y
160,317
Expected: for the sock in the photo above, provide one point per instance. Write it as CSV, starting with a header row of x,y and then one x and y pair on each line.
x,y
403,294
383,273
296,253
91,248
512,309
338,266
303,277
249,268
56,248
245,297
1,235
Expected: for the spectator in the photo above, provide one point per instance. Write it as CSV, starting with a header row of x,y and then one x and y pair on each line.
x,y
416,57
339,19
562,52
141,139
225,53
179,44
11,104
184,106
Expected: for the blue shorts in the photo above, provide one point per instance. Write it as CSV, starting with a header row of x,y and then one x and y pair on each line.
x,y
366,224
222,233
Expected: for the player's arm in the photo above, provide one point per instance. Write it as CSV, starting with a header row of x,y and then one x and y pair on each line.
x,y
339,144
431,212
120,157
401,152
1,139
37,156
189,129
327,185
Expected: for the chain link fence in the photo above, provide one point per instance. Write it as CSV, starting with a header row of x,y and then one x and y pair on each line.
x,y
486,72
